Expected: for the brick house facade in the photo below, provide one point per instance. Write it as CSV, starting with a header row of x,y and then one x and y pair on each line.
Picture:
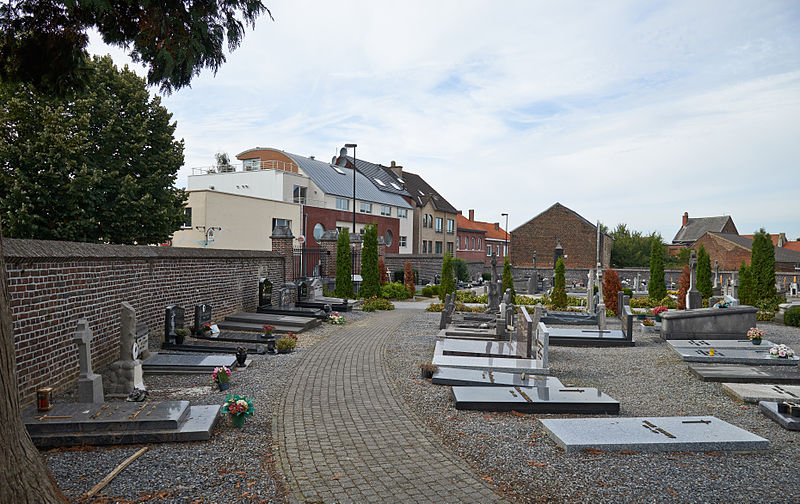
x,y
731,249
489,237
558,224
387,227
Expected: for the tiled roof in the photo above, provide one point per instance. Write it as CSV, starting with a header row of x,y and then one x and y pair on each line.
x,y
338,180
698,226
795,245
774,237
422,193
486,227
381,176
782,254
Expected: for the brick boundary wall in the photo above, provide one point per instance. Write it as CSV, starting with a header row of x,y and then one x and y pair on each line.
x,y
53,284
426,264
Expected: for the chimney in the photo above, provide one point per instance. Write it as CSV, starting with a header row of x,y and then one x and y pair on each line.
x,y
398,170
471,214
685,218
497,226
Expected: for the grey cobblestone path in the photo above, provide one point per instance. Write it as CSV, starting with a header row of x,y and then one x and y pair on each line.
x,y
344,437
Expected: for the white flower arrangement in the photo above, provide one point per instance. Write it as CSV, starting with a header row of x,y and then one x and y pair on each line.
x,y
781,352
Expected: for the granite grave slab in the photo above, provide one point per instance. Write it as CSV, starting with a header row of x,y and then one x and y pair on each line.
x,y
786,418
755,393
477,348
70,424
746,374
721,343
702,433
562,336
162,363
254,322
750,356
578,400
459,376
533,366
205,346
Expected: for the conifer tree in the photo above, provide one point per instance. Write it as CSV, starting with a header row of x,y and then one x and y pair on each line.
x,y
704,284
656,288
448,284
745,285
762,267
408,278
559,297
508,280
344,266
370,284
683,286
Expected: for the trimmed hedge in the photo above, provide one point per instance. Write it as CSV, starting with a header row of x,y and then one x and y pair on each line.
x,y
792,317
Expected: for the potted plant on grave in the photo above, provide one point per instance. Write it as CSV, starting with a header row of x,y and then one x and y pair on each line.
x,y
781,352
336,319
239,408
137,395
658,310
755,335
268,329
180,336
222,377
241,355
286,343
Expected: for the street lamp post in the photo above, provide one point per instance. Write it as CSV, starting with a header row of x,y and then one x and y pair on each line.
x,y
506,216
353,146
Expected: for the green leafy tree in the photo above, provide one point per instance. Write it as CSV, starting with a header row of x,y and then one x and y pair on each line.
x,y
43,42
408,279
448,284
343,287
704,284
97,165
656,288
370,284
559,297
460,268
746,291
508,280
762,267
630,248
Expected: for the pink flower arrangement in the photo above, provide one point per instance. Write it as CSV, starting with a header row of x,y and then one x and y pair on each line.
x,y
755,333
658,310
221,374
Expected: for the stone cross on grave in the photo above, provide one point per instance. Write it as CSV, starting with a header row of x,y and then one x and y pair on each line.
x,y
90,385
694,298
717,283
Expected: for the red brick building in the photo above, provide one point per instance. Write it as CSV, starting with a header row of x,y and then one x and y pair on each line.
x,y
731,249
477,240
559,225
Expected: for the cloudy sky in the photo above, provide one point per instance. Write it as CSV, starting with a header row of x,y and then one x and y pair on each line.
x,y
629,112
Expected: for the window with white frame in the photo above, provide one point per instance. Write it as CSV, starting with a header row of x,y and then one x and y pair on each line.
x,y
488,249
458,243
479,244
473,244
402,213
439,222
365,207
386,210
251,164
342,204
299,194
401,241
451,226
187,218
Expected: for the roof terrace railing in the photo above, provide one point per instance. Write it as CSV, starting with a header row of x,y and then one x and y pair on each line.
x,y
249,165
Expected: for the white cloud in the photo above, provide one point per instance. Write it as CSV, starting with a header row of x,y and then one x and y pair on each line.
x,y
625,112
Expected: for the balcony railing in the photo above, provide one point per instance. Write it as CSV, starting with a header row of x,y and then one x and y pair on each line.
x,y
270,164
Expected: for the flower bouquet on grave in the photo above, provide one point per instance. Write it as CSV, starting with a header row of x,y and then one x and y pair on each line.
x,y
206,329
781,352
336,319
755,335
267,329
222,377
239,408
137,395
648,322
286,343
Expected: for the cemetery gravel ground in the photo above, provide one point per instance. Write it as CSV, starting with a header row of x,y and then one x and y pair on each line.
x,y
236,465
507,449
512,450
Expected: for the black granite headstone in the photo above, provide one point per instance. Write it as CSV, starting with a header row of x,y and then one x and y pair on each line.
x,y
173,319
202,316
264,292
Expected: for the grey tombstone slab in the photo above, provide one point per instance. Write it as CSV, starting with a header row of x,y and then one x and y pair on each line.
x,y
561,336
174,318
507,364
733,356
754,393
785,420
722,343
577,400
489,378
90,384
746,374
162,363
706,433
264,292
69,424
126,372
489,348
